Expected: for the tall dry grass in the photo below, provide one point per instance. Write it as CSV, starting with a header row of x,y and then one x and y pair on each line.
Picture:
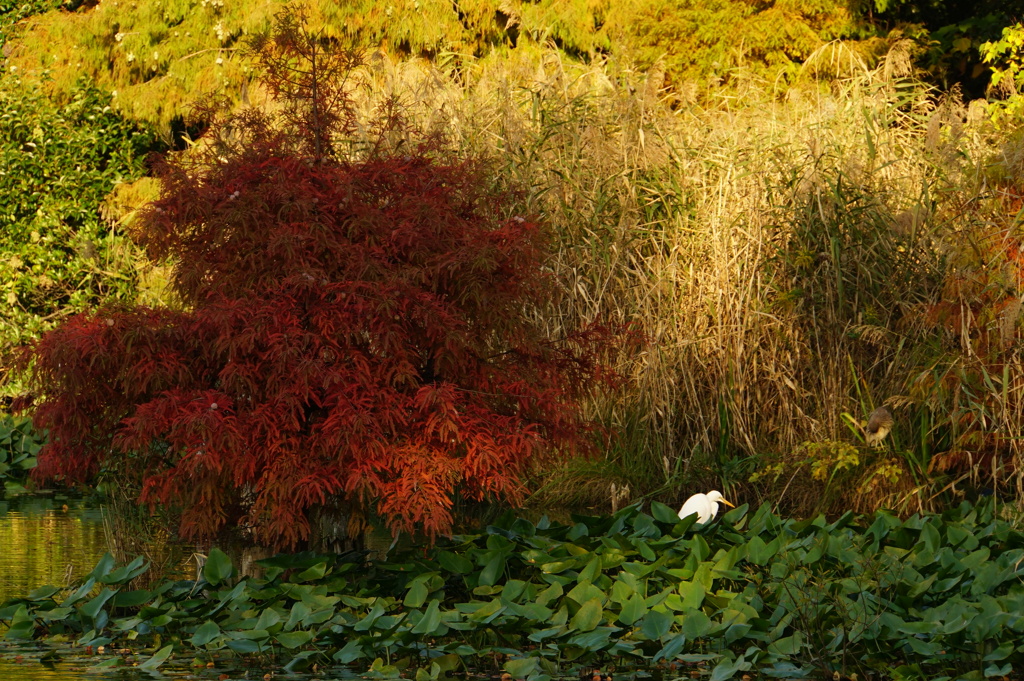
x,y
796,258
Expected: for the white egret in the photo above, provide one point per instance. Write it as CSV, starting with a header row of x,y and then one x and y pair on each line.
x,y
704,506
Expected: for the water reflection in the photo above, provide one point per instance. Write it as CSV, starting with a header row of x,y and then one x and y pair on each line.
x,y
46,540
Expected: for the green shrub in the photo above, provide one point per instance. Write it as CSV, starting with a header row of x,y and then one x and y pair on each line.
x,y
19,444
57,163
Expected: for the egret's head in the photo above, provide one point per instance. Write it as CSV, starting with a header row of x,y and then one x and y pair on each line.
x,y
715,495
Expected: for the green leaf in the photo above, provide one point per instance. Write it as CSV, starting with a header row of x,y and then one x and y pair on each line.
x,y
588,616
126,573
131,599
692,594
313,573
493,570
522,667
294,639
93,608
695,624
217,567
729,669
205,633
453,562
663,513
42,593
633,609
158,658
243,646
656,624
431,620
300,611
417,594
268,618
103,567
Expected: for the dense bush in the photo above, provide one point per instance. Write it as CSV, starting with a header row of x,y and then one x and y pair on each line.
x,y
58,162
355,332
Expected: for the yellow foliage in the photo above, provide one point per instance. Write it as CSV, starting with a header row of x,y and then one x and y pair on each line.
x,y
160,56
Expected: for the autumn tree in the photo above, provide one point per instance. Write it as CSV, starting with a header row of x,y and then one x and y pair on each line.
x,y
354,330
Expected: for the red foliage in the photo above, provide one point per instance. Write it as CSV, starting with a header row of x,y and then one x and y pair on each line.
x,y
354,332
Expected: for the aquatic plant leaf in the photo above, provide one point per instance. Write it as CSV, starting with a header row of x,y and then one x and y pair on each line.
x,y
22,625
312,573
729,669
294,639
126,573
588,616
633,609
300,660
431,620
93,608
131,599
300,611
656,624
371,617
417,594
759,552
522,667
350,652
42,593
206,632
268,618
109,663
671,649
454,562
663,513
243,646
217,567
158,658
695,624
493,570
692,593
103,567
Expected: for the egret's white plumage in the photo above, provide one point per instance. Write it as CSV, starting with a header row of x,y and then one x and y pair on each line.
x,y
704,506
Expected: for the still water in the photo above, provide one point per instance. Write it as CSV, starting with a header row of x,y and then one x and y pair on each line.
x,y
56,539
51,539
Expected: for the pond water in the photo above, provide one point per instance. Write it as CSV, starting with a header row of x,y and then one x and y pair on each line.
x,y
55,539
50,539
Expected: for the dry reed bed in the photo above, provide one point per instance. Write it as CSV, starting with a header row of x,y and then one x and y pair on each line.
x,y
793,259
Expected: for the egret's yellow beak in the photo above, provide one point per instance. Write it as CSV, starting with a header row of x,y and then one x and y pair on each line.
x,y
727,502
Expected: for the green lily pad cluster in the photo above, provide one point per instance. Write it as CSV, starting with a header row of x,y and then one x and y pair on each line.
x,y
19,444
934,597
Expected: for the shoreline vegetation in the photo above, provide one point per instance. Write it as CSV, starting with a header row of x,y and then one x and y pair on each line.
x,y
929,597
804,228
799,251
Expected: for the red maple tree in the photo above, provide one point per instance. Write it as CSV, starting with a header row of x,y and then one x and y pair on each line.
x,y
353,331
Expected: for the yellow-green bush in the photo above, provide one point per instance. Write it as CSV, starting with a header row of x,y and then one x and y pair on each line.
x,y
57,163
